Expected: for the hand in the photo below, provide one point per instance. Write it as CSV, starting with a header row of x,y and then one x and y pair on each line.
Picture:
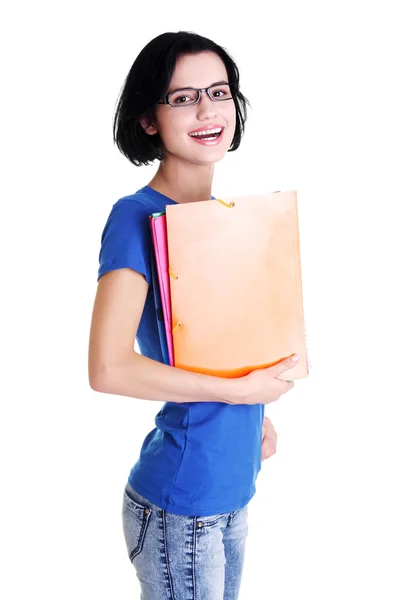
x,y
262,386
269,438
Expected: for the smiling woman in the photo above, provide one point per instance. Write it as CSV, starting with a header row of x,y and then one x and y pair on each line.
x,y
185,501
173,77
184,110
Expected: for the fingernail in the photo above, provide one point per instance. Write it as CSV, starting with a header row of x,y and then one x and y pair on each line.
x,y
295,357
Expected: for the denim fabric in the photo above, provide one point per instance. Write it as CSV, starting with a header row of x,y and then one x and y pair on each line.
x,y
179,557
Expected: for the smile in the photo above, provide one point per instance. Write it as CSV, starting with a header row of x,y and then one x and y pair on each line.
x,y
207,134
208,137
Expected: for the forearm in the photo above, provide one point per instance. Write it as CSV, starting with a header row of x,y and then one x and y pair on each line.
x,y
141,377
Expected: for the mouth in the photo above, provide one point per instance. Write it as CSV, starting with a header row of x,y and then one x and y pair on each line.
x,y
211,135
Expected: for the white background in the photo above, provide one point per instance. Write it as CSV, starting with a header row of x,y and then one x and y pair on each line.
x,y
322,80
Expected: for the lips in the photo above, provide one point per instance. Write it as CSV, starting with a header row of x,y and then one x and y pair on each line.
x,y
208,139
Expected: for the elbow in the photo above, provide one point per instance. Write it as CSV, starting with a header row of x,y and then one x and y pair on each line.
x,y
109,377
98,380
96,384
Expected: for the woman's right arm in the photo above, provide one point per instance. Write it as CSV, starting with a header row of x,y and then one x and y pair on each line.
x,y
116,368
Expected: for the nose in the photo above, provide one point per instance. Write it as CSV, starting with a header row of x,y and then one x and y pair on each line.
x,y
206,108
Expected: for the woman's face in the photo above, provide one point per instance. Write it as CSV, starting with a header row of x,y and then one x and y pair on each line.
x,y
176,124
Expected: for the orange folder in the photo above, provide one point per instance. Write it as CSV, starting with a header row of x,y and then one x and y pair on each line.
x,y
236,292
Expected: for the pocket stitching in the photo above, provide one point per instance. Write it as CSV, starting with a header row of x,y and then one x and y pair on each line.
x,y
207,523
142,533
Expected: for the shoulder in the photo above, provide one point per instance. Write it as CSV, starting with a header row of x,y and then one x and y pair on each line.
x,y
138,203
130,210
143,202
126,237
133,211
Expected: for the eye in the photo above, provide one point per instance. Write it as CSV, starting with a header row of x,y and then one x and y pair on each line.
x,y
182,99
219,93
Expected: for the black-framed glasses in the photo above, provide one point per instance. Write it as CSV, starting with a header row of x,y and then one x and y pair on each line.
x,y
190,96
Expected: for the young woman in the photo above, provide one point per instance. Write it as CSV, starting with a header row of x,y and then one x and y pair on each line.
x,y
185,501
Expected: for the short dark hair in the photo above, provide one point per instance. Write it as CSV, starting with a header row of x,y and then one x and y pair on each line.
x,y
148,80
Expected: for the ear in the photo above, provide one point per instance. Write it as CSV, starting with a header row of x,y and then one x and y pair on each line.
x,y
148,126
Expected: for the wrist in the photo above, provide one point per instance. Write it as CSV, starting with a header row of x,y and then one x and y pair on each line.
x,y
236,390
222,389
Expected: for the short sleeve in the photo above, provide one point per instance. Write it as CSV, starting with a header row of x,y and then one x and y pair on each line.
x,y
126,239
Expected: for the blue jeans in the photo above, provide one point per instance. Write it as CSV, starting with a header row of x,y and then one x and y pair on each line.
x,y
177,557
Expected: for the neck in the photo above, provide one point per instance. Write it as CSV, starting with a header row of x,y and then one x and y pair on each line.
x,y
182,181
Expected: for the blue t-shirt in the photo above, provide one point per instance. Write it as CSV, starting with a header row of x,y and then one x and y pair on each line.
x,y
202,458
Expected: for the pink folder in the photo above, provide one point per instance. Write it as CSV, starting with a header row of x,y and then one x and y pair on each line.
x,y
159,234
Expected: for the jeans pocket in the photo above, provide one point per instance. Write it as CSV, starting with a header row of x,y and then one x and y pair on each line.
x,y
210,521
135,519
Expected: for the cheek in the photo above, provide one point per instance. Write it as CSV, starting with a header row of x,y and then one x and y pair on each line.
x,y
174,128
230,116
233,112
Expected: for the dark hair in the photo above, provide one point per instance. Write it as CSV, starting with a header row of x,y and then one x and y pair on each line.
x,y
148,80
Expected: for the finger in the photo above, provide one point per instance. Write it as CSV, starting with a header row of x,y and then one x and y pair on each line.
x,y
284,365
284,386
266,423
268,428
268,454
288,385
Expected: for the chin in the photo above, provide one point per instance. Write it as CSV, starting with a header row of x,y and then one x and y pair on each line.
x,y
209,156
204,155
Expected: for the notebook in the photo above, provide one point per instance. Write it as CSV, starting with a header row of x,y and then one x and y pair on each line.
x,y
234,289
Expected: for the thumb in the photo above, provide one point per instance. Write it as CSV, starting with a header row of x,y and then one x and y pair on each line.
x,y
284,365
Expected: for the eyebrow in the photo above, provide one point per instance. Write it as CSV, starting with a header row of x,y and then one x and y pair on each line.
x,y
190,87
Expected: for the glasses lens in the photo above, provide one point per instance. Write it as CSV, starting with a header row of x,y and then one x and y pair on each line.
x,y
222,92
183,97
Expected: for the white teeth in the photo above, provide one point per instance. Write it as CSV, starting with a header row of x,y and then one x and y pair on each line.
x,y
207,131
